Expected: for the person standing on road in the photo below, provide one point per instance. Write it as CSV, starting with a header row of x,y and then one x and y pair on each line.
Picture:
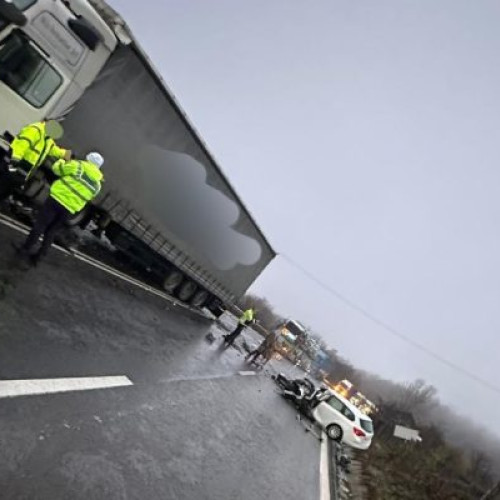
x,y
265,349
28,151
79,183
247,318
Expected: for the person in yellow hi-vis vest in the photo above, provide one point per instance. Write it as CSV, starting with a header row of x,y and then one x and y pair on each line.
x,y
79,183
28,150
247,318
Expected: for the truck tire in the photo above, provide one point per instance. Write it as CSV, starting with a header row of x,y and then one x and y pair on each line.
x,y
186,290
216,307
199,298
172,281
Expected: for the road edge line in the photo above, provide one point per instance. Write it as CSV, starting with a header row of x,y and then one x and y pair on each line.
x,y
324,470
20,227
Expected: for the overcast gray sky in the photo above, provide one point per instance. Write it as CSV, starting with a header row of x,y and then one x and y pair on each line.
x,y
364,137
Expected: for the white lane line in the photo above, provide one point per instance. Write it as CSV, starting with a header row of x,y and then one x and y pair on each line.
x,y
15,388
18,226
324,470
247,373
199,378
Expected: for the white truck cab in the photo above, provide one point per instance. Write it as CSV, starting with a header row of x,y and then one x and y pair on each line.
x,y
50,52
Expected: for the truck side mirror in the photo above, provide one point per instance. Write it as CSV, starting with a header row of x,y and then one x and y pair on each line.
x,y
8,136
11,14
85,32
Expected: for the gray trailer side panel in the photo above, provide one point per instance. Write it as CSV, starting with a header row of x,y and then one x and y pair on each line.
x,y
161,182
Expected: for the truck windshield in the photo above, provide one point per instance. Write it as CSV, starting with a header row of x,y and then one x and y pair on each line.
x,y
26,72
294,328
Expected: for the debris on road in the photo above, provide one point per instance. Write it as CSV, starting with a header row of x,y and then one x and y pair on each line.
x,y
210,337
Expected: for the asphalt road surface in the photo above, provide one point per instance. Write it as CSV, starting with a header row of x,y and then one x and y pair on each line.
x,y
194,424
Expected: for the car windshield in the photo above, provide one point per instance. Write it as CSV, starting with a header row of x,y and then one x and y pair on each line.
x,y
367,425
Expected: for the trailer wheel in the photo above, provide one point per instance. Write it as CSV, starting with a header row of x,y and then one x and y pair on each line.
x,y
199,298
172,281
215,307
186,290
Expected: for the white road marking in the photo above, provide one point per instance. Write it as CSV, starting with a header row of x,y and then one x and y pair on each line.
x,y
199,378
247,373
324,470
18,226
15,388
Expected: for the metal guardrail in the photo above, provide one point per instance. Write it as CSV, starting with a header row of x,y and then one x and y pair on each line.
x,y
333,452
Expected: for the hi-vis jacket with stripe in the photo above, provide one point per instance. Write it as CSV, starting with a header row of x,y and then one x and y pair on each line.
x,y
33,146
79,183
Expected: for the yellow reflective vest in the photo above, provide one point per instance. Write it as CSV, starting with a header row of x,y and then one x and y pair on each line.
x,y
79,182
33,146
247,317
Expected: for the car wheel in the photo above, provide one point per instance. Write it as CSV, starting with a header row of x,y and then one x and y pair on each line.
x,y
334,432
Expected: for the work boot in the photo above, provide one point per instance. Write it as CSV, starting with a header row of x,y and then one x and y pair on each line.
x,y
23,257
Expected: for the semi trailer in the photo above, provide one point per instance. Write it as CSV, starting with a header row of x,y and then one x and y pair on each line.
x,y
166,204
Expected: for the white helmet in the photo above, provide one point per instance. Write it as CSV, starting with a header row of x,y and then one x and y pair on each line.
x,y
95,158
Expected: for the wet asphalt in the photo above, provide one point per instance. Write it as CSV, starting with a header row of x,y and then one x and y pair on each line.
x,y
192,426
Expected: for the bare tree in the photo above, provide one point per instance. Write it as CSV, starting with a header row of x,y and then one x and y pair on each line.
x,y
440,425
414,396
480,468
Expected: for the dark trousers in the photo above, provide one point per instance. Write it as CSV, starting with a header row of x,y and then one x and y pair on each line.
x,y
9,182
236,333
49,221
